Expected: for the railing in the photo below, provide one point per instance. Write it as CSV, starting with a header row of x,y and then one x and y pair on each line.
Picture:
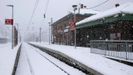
x,y
114,48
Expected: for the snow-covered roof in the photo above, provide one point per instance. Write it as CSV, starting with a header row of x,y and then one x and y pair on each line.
x,y
125,8
87,11
83,11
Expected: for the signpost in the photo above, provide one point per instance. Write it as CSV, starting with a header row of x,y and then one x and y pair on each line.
x,y
9,21
72,25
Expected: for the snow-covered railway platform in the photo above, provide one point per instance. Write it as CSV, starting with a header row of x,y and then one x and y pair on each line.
x,y
33,61
96,62
7,58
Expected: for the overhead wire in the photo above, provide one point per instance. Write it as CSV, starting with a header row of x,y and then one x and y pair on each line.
x,y
35,7
98,4
47,4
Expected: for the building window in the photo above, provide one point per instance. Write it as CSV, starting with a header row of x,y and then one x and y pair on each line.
x,y
115,36
112,36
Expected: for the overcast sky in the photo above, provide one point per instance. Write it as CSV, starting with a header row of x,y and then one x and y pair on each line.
x,y
56,10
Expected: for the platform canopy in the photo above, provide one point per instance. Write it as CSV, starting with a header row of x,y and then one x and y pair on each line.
x,y
122,12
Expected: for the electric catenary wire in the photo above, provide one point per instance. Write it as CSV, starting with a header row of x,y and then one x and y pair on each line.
x,y
47,4
99,4
35,7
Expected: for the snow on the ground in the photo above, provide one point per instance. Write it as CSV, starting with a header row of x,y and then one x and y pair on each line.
x,y
95,61
67,68
33,63
7,59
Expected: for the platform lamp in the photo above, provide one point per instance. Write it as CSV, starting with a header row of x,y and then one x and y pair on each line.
x,y
74,9
12,6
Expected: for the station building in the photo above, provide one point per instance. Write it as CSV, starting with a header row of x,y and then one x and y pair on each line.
x,y
61,29
113,24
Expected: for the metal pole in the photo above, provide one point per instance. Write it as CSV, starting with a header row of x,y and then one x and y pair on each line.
x,y
126,50
12,37
12,24
49,33
51,30
75,37
75,8
75,28
13,27
40,35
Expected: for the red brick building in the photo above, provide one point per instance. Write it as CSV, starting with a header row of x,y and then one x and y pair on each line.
x,y
61,32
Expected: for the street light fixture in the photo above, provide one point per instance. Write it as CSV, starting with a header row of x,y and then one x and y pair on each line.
x,y
12,6
75,8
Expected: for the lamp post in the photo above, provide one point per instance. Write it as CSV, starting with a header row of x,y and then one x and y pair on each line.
x,y
12,6
50,30
74,9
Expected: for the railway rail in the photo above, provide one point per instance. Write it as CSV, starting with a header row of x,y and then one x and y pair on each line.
x,y
21,53
68,60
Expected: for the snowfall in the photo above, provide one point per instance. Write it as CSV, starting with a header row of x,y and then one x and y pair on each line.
x,y
33,61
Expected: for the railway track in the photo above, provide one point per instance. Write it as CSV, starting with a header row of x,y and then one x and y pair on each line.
x,y
68,60
24,57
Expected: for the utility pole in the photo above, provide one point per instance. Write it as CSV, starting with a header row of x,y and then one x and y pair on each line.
x,y
12,6
51,30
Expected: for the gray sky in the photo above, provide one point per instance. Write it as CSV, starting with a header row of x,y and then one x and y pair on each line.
x,y
56,10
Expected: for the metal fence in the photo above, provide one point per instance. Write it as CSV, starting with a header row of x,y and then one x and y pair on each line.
x,y
114,48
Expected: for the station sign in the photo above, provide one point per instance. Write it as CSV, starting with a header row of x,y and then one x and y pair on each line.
x,y
9,21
